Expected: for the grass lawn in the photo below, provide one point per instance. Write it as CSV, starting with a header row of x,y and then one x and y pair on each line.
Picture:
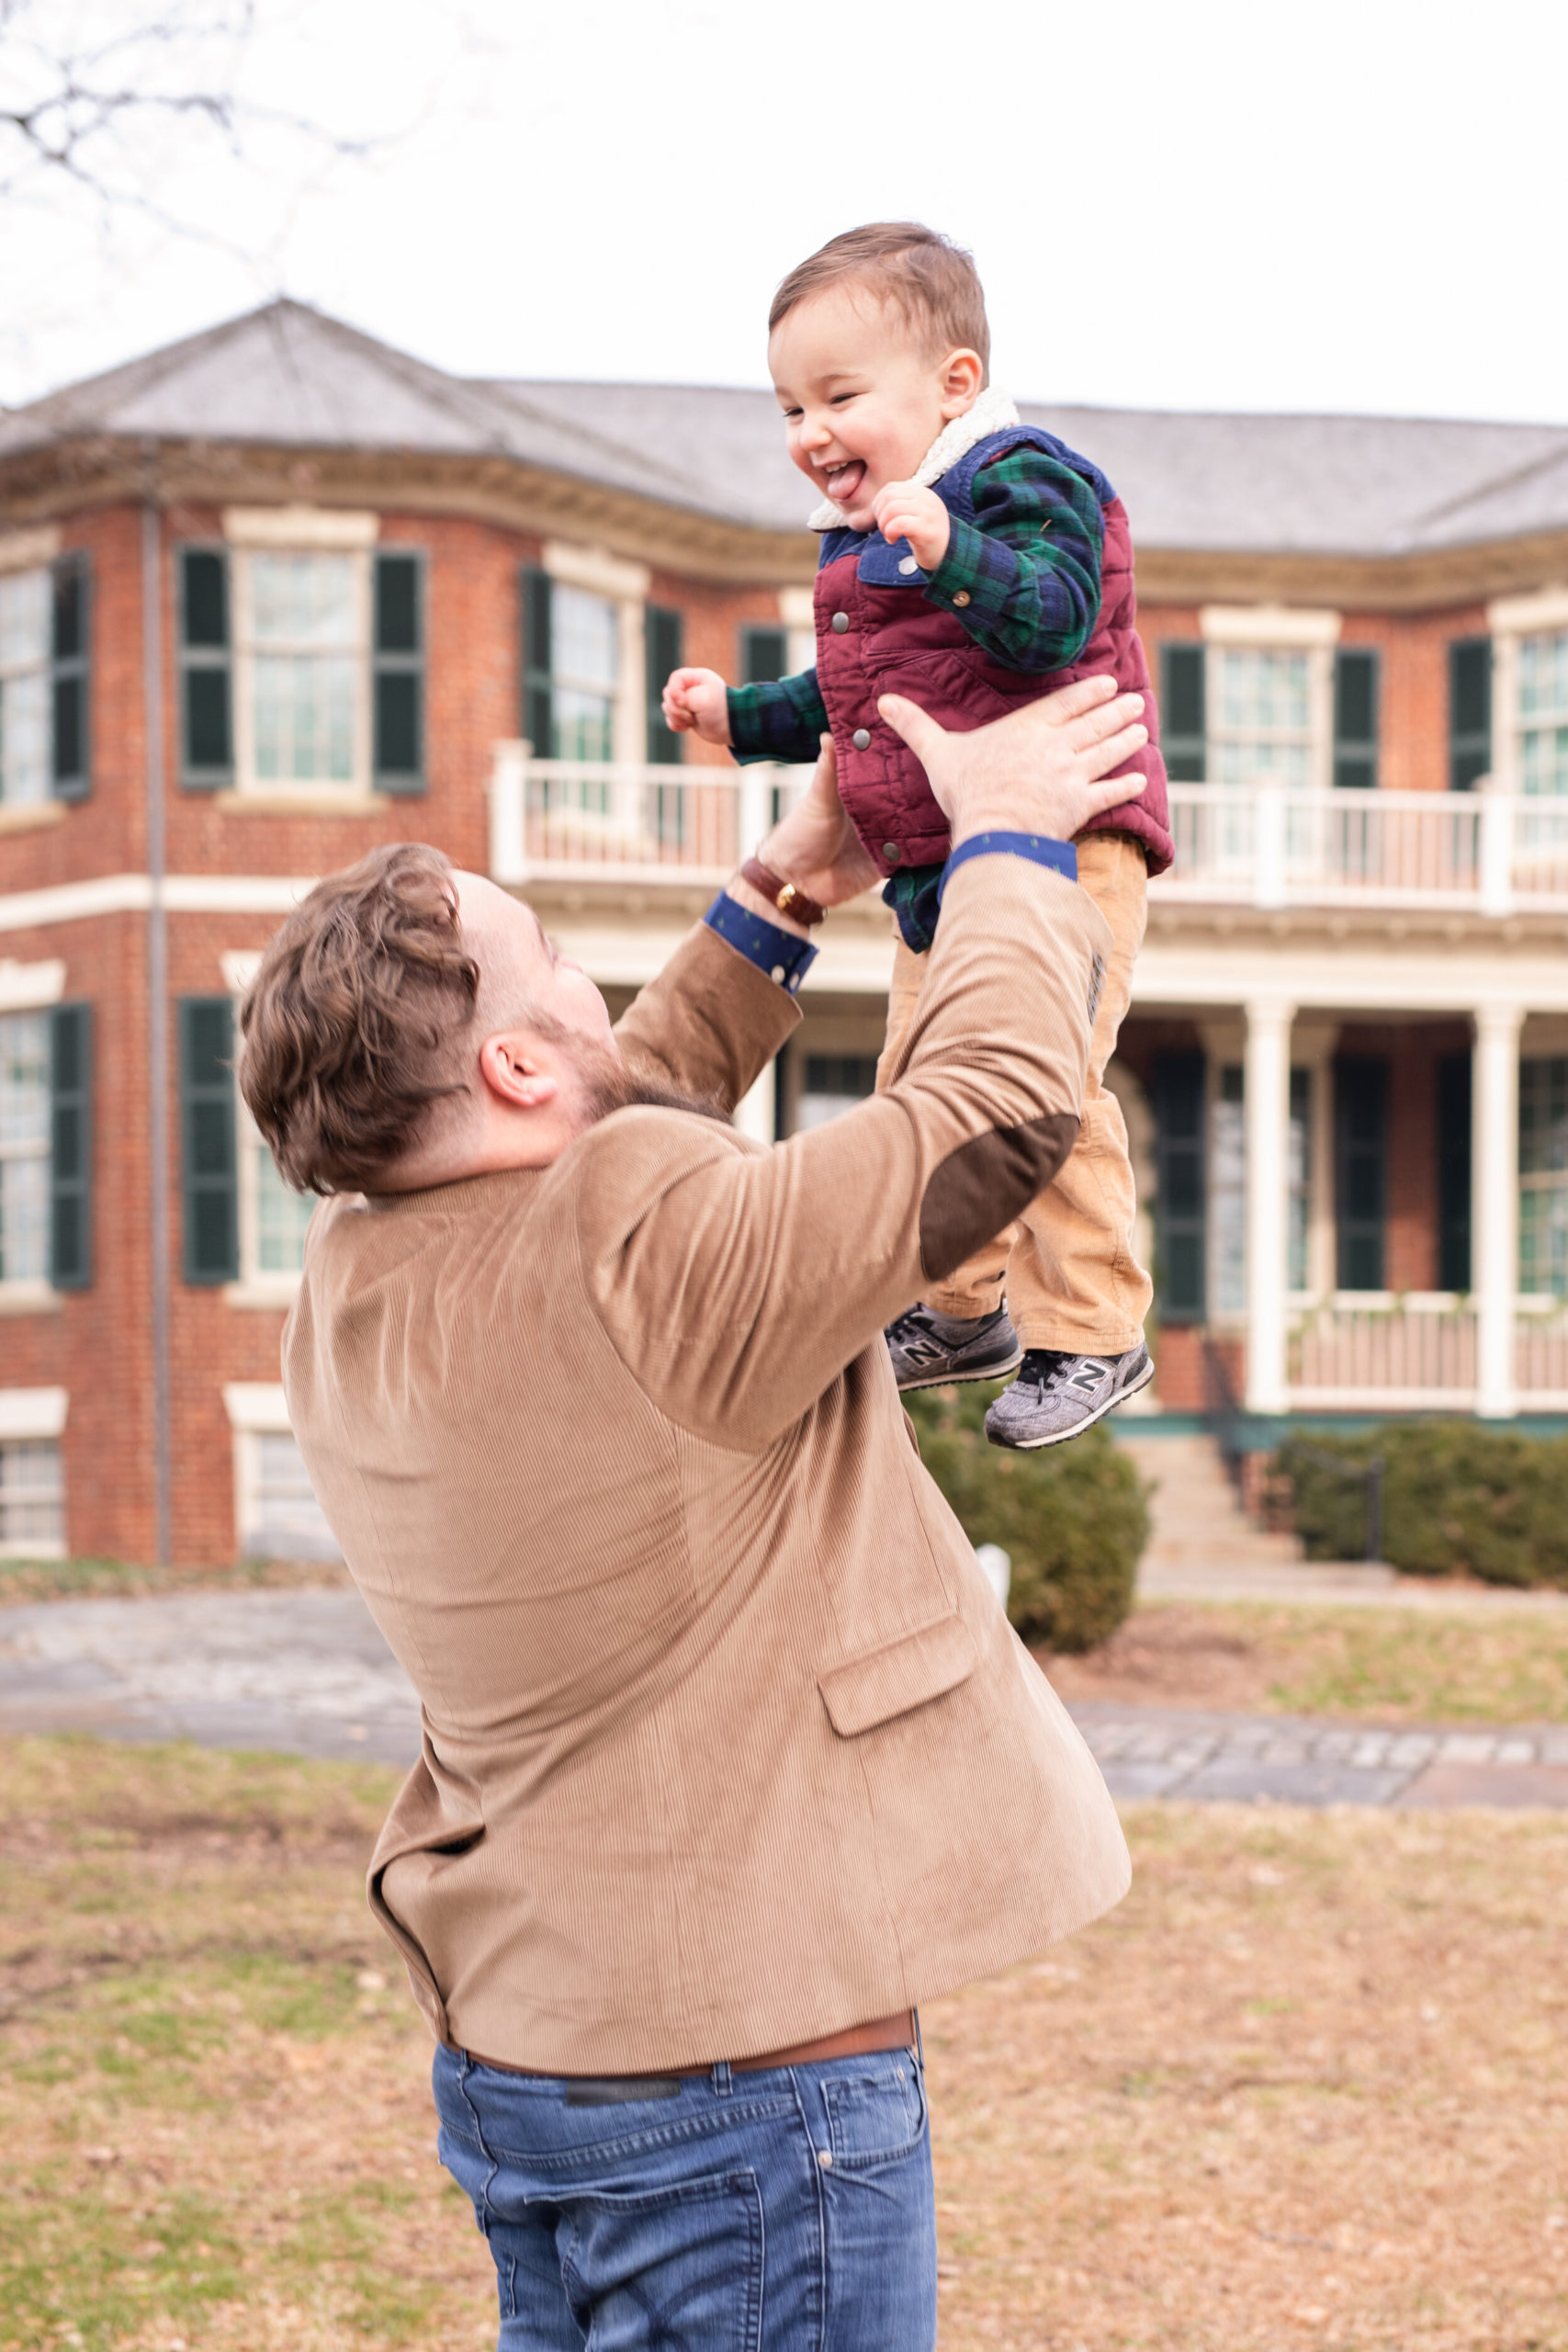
x,y
1308,2085
1483,1662
88,1579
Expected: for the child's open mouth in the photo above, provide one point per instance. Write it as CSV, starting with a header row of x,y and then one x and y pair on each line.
x,y
844,481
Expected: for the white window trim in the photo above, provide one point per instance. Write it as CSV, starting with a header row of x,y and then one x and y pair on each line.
x,y
32,1413
311,530
32,987
28,551
626,585
354,791
1283,628
1509,618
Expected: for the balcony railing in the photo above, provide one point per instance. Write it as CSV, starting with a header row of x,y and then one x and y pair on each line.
x,y
581,820
1416,1351
1268,845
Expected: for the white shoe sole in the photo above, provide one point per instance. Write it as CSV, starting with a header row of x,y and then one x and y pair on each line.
x,y
1064,1437
952,1379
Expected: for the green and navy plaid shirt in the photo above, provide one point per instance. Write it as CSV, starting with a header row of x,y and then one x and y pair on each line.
x,y
1029,568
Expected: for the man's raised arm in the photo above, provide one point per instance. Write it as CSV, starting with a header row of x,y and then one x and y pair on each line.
x,y
736,1286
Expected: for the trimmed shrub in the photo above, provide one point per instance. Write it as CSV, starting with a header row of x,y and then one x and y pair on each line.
x,y
1073,1518
1459,1500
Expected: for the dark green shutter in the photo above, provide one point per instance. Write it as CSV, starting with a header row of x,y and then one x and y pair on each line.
x,y
208,1165
71,776
1356,718
1177,1099
1360,1152
71,1146
207,728
1453,1171
538,713
399,681
1183,713
663,638
1470,712
765,655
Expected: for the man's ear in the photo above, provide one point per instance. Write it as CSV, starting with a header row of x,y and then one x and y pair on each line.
x,y
515,1073
963,373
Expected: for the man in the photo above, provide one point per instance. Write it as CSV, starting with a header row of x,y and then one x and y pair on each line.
x,y
729,1758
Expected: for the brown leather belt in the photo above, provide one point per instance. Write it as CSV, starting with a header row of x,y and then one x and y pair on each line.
x,y
897,2032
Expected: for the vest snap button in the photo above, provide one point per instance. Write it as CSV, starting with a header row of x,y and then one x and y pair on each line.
x,y
840,622
961,598
861,739
908,563
891,852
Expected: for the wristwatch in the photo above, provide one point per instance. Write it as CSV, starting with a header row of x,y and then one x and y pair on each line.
x,y
788,897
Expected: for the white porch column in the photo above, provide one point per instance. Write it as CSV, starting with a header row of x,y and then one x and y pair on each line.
x,y
1494,1204
1266,1095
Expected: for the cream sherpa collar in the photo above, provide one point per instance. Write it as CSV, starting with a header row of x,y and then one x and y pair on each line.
x,y
992,413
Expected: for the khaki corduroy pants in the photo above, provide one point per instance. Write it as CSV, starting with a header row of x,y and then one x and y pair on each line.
x,y
1066,1266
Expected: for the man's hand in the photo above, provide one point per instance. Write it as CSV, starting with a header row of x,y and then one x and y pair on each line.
x,y
815,846
695,701
905,510
1037,770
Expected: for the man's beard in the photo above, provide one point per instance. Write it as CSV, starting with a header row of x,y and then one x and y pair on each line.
x,y
608,1085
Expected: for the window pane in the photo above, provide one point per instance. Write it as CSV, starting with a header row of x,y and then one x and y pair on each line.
x,y
1543,676
584,724
304,718
282,1216
303,600
23,620
24,740
24,1146
1300,1149
32,1502
1543,1238
290,1523
834,1084
1543,1116
1264,691
586,632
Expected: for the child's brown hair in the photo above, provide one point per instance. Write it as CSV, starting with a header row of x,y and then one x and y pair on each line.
x,y
932,282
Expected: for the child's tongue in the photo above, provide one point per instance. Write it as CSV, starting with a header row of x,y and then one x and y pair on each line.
x,y
844,481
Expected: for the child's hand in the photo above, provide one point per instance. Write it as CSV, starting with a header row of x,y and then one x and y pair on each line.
x,y
695,701
906,511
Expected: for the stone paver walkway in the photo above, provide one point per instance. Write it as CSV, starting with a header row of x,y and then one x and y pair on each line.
x,y
308,1673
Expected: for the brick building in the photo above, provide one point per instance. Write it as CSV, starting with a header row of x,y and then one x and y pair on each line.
x,y
280,592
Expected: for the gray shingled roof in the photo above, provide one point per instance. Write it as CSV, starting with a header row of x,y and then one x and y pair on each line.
x,y
1344,485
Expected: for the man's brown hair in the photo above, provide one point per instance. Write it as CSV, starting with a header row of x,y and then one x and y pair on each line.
x,y
931,282
350,1025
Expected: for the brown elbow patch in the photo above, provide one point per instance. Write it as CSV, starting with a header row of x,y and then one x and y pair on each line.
x,y
980,1188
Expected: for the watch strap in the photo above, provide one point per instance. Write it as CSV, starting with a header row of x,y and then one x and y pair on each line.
x,y
788,897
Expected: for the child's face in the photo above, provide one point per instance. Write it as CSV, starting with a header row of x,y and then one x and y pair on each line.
x,y
862,399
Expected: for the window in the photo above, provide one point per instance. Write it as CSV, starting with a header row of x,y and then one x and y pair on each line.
x,y
1176,1098
1356,719
301,669
1543,1176
32,1498
1260,715
1227,1197
1470,717
764,654
833,1084
1543,712
585,632
1299,1150
44,684
1361,1136
1184,704
24,1147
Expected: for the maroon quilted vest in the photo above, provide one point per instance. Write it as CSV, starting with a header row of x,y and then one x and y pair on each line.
x,y
876,634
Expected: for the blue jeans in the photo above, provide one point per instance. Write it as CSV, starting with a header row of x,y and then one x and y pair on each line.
x,y
787,2210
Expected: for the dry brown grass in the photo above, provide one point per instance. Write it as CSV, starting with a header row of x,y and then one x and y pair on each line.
x,y
1307,2086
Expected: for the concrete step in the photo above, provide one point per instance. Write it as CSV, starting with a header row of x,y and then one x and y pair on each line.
x,y
1197,1525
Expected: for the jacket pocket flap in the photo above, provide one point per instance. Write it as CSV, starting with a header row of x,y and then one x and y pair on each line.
x,y
887,1682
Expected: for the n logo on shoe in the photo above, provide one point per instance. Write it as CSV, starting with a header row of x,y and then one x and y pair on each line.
x,y
1089,1377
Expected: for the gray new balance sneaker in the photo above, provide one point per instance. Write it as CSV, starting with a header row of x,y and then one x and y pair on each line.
x,y
928,1349
1056,1395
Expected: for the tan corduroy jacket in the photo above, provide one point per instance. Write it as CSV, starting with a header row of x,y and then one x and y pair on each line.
x,y
726,1743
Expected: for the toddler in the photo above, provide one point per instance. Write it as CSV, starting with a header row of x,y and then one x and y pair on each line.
x,y
972,563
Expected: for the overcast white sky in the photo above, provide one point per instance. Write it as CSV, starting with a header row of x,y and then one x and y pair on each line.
x,y
1357,205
